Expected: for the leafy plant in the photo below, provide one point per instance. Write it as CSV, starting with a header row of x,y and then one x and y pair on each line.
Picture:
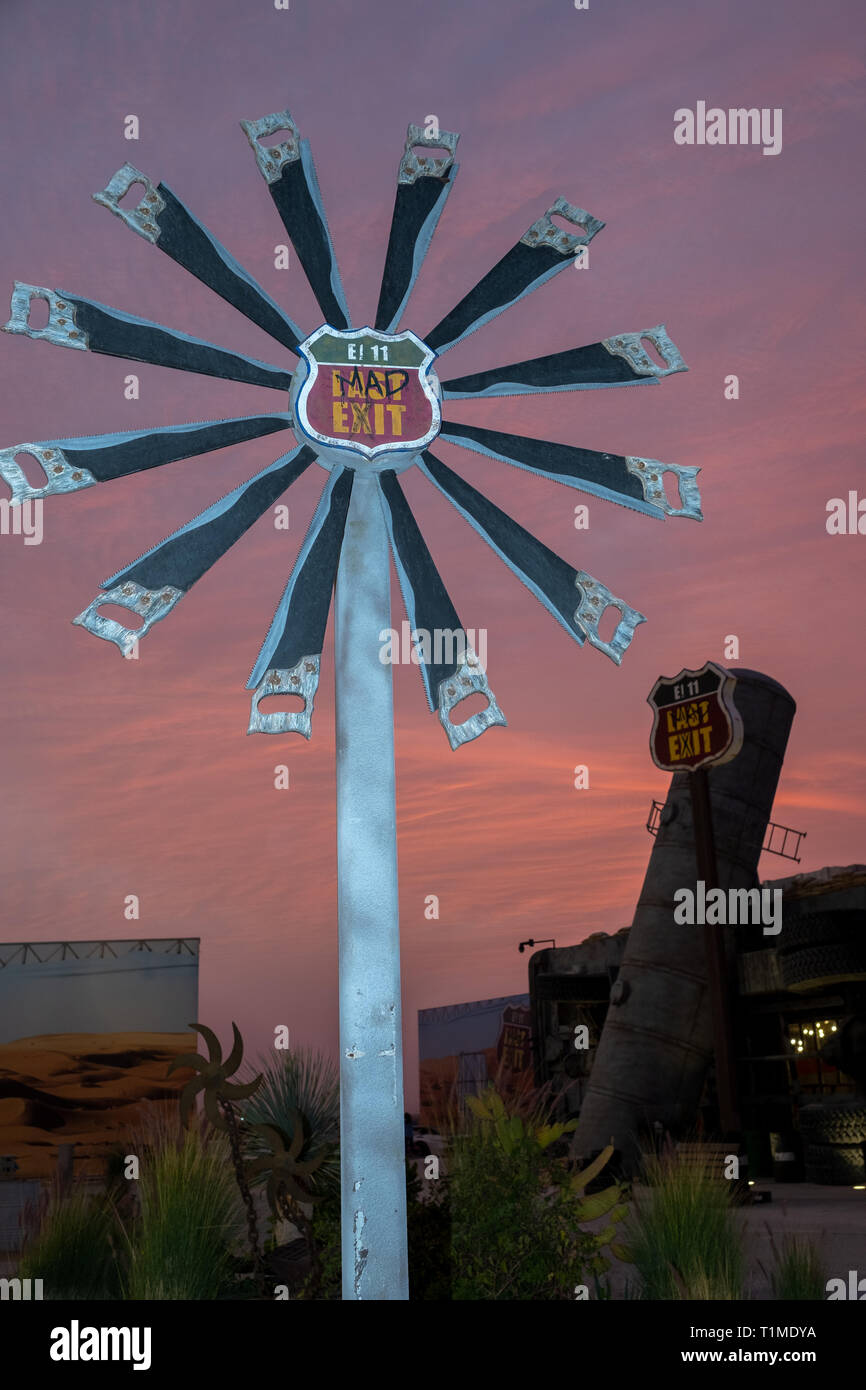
x,y
428,1211
517,1210
513,1128
684,1237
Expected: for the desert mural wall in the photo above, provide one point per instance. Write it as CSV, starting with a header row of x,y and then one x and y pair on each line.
x,y
87,1032
463,1047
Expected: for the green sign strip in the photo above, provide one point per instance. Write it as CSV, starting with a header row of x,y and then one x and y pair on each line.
x,y
368,350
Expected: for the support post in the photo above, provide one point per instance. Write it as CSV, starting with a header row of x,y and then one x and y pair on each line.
x,y
717,969
372,1146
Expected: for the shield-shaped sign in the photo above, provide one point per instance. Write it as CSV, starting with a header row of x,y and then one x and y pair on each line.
x,y
513,1046
366,396
695,720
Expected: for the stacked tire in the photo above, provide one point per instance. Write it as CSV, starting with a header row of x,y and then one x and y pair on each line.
x,y
834,1142
823,948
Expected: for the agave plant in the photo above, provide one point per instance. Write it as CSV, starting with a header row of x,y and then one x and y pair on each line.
x,y
300,1088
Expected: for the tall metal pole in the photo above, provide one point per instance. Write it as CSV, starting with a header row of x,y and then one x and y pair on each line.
x,y
717,967
372,1146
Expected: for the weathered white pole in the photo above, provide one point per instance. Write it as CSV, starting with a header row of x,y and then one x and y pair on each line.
x,y
373,1175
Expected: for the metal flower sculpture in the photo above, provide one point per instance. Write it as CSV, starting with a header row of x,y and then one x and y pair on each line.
x,y
365,405
363,401
213,1077
286,1172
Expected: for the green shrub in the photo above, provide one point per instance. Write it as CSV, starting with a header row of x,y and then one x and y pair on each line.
x,y
517,1210
505,1220
428,1221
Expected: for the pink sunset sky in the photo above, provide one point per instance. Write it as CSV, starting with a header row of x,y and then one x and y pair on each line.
x,y
124,777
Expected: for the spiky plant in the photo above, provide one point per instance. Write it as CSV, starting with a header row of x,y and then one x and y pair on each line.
x,y
71,1248
684,1236
799,1274
190,1219
302,1083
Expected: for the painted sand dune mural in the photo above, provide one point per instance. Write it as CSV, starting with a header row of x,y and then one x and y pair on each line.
x,y
88,1030
82,1089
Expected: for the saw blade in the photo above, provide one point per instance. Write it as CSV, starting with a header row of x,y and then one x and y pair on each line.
x,y
542,252
449,664
161,218
423,184
290,174
82,323
70,464
574,598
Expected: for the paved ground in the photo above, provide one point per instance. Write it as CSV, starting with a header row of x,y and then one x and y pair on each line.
x,y
833,1217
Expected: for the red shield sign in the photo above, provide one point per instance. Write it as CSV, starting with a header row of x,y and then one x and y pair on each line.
x,y
366,394
513,1050
695,721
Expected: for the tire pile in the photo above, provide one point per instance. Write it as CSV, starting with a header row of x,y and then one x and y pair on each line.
x,y
816,950
822,949
834,1141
